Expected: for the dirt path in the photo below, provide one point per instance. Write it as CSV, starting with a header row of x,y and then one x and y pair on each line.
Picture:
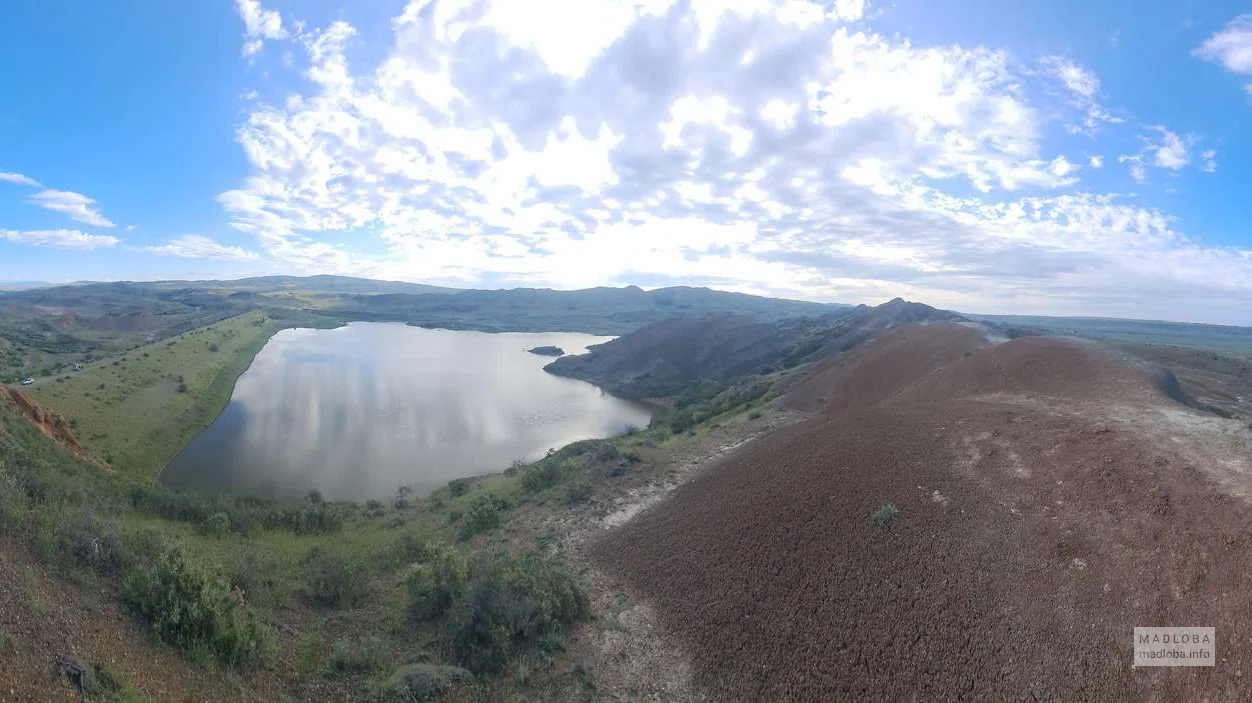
x,y
630,653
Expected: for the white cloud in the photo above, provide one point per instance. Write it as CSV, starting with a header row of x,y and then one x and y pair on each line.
x,y
1231,47
77,206
1173,151
59,238
18,179
761,146
1210,160
1084,88
1138,171
259,24
195,246
1078,79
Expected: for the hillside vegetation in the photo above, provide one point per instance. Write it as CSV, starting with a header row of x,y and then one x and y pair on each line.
x,y
669,357
136,410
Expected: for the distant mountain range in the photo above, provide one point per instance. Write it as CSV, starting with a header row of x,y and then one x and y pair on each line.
x,y
43,328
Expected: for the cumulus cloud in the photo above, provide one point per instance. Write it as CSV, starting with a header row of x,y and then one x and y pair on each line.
x,y
77,206
59,238
1097,162
782,148
259,24
18,179
195,246
1231,47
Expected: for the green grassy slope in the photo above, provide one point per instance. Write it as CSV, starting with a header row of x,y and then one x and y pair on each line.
x,y
135,411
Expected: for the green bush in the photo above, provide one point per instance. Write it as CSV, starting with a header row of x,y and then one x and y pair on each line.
x,y
510,603
332,578
92,543
886,515
542,475
188,607
420,682
482,515
216,525
363,656
436,583
579,492
458,487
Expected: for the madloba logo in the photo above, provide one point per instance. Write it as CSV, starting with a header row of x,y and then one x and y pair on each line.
x,y
1175,646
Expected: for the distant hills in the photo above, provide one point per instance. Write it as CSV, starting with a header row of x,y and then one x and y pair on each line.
x,y
665,357
42,329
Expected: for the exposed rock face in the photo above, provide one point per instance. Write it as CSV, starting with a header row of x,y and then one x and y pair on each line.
x,y
51,424
547,351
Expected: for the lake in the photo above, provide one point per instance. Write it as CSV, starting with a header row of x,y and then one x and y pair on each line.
x,y
358,411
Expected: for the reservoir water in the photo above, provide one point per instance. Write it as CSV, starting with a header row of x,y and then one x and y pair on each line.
x,y
358,411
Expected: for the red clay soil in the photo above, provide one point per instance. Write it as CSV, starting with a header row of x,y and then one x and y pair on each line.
x,y
1034,533
51,424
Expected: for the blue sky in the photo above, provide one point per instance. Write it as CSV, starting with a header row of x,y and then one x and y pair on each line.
x,y
1064,158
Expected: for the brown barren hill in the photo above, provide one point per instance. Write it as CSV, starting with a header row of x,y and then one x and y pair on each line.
x,y
1049,500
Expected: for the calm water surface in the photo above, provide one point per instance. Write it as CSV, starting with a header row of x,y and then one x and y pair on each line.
x,y
358,411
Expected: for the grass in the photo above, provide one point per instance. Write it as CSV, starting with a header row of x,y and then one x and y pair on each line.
x,y
431,587
887,514
129,410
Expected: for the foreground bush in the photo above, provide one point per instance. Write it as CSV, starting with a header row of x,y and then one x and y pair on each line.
x,y
496,605
189,608
420,682
363,656
510,603
332,578
483,515
435,584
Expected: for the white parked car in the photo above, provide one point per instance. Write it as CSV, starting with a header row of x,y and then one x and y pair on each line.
x,y
27,381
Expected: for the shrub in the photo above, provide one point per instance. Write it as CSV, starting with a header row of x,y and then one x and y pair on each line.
x,y
212,347
436,583
886,515
579,491
681,421
420,682
541,475
363,656
509,603
188,607
91,543
332,579
458,487
216,525
482,515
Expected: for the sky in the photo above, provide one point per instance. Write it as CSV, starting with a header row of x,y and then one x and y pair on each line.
x,y
993,156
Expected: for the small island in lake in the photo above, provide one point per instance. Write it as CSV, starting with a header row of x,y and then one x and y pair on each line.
x,y
547,351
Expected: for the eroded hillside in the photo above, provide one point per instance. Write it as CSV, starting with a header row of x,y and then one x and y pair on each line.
x,y
1045,497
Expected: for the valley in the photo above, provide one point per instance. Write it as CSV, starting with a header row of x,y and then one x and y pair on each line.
x,y
887,495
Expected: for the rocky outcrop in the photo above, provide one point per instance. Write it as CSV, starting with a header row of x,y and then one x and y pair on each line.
x,y
547,351
53,425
